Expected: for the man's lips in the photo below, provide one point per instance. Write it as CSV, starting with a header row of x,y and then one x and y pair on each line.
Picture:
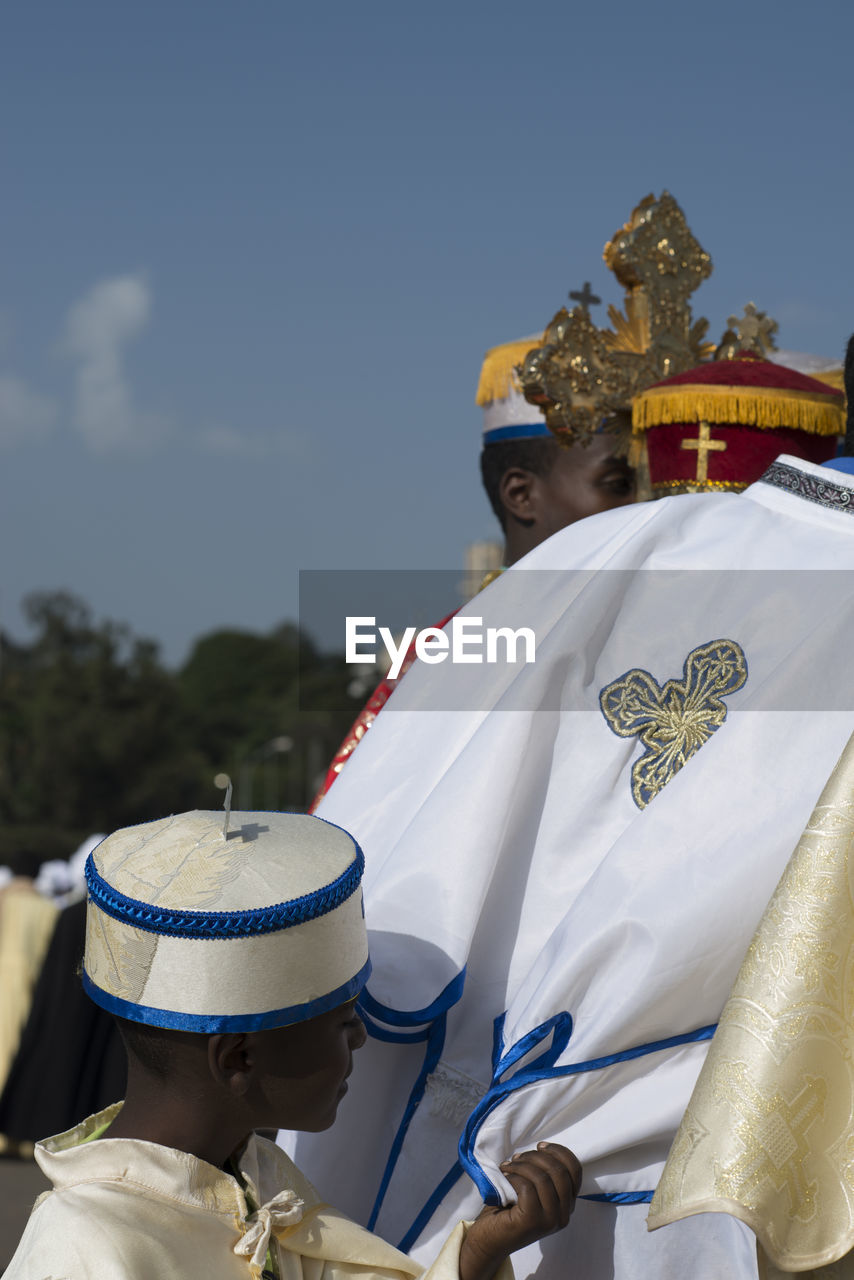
x,y
344,1086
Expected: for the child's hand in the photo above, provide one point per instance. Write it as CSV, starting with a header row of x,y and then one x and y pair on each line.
x,y
546,1182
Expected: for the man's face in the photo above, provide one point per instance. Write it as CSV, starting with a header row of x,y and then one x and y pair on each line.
x,y
583,481
303,1069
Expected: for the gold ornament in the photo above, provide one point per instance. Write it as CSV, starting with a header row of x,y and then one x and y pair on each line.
x,y
660,263
754,331
583,375
577,378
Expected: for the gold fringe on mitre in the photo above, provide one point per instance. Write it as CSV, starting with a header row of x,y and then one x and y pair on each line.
x,y
498,375
764,407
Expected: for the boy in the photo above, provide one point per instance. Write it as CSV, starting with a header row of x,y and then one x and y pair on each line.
x,y
232,954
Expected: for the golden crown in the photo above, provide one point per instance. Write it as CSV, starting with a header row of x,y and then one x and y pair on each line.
x,y
582,375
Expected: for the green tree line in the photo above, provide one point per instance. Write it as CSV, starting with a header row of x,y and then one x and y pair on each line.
x,y
95,733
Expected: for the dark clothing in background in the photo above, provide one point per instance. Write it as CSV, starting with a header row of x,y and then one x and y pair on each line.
x,y
70,1062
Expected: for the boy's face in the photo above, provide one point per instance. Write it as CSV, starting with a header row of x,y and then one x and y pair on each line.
x,y
303,1069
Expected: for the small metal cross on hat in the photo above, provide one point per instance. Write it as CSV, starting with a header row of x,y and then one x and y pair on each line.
x,y
585,297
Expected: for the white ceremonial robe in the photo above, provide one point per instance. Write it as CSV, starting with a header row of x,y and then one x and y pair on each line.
x,y
531,859
127,1210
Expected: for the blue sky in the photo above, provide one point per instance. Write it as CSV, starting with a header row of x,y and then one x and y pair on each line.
x,y
255,251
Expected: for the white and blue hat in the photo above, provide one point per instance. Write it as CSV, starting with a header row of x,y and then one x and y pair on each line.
x,y
200,922
507,415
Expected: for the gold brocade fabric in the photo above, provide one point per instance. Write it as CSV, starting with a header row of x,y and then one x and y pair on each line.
x,y
27,921
768,1135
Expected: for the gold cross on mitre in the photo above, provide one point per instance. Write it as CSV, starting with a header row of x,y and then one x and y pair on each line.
x,y
704,444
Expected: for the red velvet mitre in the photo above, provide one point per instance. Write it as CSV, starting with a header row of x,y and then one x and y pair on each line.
x,y
719,426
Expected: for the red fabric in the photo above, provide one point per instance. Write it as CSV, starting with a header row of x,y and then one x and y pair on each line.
x,y
747,370
749,451
366,718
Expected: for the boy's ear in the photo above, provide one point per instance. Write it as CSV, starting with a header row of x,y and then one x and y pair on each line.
x,y
517,495
231,1060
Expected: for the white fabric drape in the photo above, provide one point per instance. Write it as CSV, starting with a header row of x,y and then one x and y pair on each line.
x,y
495,806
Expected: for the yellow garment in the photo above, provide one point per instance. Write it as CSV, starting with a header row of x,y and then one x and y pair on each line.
x,y
27,922
128,1210
768,1135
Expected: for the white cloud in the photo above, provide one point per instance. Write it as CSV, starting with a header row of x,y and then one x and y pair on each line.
x,y
25,414
98,329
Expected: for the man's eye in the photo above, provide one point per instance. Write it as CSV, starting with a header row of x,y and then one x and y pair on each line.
x,y
619,483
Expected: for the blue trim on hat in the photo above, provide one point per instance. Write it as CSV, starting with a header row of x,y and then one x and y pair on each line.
x,y
224,924
212,1024
524,431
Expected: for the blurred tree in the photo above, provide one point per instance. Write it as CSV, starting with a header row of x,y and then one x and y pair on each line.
x,y
92,734
270,710
96,734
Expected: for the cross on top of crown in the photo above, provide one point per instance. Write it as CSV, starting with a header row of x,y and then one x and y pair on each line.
x,y
585,297
755,330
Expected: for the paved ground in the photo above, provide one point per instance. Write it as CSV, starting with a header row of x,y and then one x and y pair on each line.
x,y
20,1182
